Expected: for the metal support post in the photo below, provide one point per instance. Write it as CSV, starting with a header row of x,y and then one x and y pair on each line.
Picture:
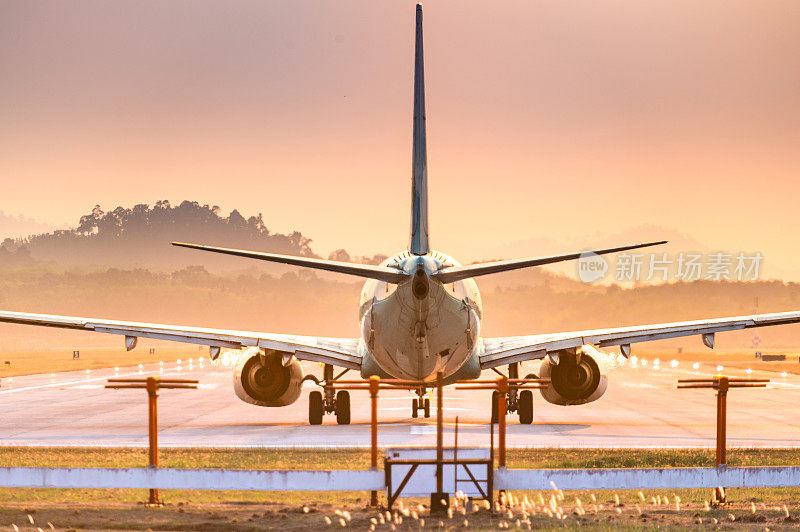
x,y
722,400
374,382
502,391
440,500
152,400
721,384
722,407
152,385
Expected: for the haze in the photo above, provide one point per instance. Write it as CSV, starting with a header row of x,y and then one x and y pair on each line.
x,y
549,123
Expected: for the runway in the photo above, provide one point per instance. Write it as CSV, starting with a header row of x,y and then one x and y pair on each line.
x,y
642,408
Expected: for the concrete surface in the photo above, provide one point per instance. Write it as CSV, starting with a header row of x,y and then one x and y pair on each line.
x,y
642,408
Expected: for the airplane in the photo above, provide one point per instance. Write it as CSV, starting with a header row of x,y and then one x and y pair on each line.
x,y
420,313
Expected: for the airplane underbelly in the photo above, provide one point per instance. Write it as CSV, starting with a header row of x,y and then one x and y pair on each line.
x,y
412,341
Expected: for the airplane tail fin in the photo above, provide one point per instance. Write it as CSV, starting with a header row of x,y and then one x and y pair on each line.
x,y
419,244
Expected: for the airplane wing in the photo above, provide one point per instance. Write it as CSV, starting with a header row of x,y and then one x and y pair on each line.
x,y
337,351
502,351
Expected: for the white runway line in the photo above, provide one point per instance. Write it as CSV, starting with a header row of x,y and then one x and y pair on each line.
x,y
78,383
444,408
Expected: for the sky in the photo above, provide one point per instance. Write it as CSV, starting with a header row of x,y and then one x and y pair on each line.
x,y
551,124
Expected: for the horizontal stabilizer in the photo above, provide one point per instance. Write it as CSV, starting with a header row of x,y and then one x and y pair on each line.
x,y
457,273
381,273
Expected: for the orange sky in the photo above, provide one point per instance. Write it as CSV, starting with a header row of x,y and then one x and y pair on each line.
x,y
550,123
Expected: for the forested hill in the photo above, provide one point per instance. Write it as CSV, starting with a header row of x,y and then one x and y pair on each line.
x,y
141,236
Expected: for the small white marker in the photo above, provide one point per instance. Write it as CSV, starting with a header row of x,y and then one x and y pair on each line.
x,y
720,368
696,365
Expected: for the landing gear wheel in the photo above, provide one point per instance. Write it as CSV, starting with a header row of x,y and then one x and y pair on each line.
x,y
315,409
525,407
427,407
495,407
414,407
343,407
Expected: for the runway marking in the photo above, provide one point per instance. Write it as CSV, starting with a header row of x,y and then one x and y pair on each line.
x,y
782,385
75,384
406,398
445,408
638,385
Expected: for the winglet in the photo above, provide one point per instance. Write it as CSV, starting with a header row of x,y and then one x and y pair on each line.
x,y
419,244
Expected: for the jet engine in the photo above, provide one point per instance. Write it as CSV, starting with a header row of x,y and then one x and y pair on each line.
x,y
262,378
578,378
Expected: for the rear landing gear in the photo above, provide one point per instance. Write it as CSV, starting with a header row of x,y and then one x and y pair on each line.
x,y
519,401
525,403
315,408
342,407
331,402
525,407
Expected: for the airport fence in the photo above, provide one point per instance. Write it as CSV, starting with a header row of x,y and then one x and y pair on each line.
x,y
367,480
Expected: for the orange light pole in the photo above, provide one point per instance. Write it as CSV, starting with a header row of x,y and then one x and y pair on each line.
x,y
439,433
502,392
722,384
501,386
152,400
722,419
152,385
374,383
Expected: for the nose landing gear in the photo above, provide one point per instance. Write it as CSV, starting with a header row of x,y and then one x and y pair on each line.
x,y
422,403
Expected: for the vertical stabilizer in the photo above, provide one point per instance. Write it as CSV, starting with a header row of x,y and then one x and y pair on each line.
x,y
419,244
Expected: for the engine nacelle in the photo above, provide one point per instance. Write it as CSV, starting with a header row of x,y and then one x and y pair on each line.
x,y
578,378
263,380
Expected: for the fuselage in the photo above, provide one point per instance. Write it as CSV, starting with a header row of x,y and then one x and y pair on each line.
x,y
417,328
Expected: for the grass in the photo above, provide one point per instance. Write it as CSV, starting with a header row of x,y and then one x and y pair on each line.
x,y
268,458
